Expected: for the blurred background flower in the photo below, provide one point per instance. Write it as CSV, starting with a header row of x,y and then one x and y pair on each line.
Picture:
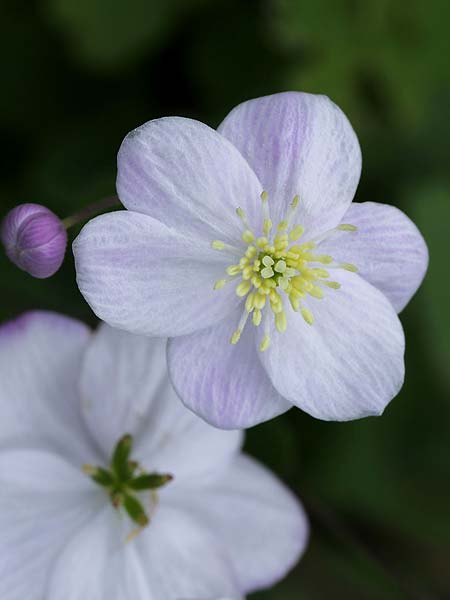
x,y
78,75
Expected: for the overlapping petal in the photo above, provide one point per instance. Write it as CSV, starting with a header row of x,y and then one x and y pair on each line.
x,y
44,500
223,383
299,144
125,389
186,175
388,249
349,363
259,522
140,275
40,357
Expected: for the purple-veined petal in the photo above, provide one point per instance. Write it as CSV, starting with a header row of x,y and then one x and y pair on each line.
x,y
139,275
40,357
349,363
186,175
387,248
299,144
260,523
43,502
223,383
126,389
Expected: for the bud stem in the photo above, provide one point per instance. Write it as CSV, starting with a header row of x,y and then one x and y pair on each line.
x,y
91,211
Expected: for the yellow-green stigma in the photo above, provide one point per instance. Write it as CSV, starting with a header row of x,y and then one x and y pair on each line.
x,y
125,482
275,266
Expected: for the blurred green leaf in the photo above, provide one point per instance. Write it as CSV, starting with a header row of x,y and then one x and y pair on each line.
x,y
368,56
112,33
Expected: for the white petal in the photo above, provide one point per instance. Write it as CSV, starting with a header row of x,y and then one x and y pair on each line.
x,y
43,502
183,559
387,248
99,564
299,144
186,175
259,522
139,275
349,363
223,383
125,389
40,355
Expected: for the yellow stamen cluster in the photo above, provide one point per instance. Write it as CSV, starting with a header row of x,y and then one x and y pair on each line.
x,y
275,266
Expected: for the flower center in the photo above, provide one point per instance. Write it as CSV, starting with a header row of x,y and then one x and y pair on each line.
x,y
276,266
126,483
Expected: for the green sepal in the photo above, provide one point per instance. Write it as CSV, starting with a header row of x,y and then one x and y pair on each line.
x,y
149,481
103,477
120,458
135,510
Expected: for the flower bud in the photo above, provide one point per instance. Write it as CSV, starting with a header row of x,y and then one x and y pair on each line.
x,y
35,239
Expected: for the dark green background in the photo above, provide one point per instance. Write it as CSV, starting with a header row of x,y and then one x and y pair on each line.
x,y
77,75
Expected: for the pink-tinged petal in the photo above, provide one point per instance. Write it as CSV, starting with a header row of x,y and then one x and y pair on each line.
x,y
349,363
186,175
126,389
387,248
183,558
98,563
43,502
223,383
40,358
299,144
259,522
139,275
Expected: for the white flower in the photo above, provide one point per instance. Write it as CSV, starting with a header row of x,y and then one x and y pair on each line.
x,y
224,526
248,235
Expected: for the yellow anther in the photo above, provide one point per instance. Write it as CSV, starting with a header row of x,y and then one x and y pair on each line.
x,y
260,301
267,226
236,336
251,252
347,227
295,202
220,283
257,316
283,282
296,233
257,281
316,292
241,213
325,259
243,288
248,236
233,270
280,267
295,302
261,242
321,273
332,284
265,343
349,267
250,302
307,315
283,225
244,262
264,196
217,245
247,272
281,321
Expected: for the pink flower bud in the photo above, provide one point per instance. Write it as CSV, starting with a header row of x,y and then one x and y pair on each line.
x,y
35,239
